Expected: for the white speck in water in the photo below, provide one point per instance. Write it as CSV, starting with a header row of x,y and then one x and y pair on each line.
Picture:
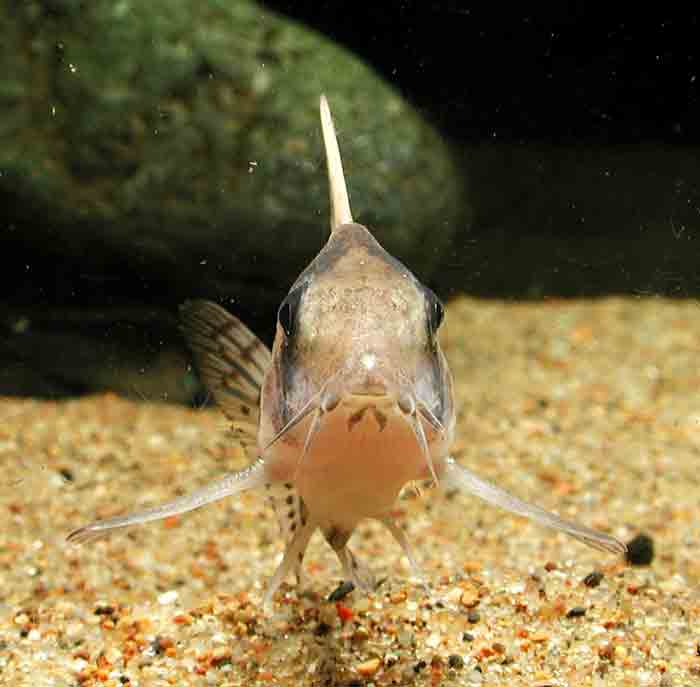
x,y
368,360
251,166
21,325
73,69
261,80
167,597
156,440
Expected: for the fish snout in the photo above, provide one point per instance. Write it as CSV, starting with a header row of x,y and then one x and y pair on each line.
x,y
369,377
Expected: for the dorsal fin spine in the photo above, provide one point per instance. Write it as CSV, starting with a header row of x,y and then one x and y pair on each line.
x,y
340,202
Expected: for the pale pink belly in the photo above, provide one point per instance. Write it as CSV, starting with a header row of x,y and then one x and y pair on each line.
x,y
350,474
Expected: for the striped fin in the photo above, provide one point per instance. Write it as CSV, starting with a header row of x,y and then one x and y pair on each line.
x,y
291,513
231,361
293,555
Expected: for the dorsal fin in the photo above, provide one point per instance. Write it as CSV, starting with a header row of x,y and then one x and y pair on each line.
x,y
340,202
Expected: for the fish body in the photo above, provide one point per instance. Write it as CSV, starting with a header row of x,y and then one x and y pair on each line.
x,y
359,342
354,402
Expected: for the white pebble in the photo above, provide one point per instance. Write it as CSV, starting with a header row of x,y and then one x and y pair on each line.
x,y
433,641
167,597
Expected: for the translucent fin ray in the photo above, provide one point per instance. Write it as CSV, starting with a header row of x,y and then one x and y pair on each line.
x,y
293,556
356,570
459,477
402,540
233,483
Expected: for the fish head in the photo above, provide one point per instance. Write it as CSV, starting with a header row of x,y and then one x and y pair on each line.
x,y
358,324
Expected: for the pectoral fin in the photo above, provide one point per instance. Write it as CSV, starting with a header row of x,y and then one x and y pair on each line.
x,y
456,476
231,361
233,483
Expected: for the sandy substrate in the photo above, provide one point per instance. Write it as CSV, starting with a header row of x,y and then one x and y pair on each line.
x,y
590,409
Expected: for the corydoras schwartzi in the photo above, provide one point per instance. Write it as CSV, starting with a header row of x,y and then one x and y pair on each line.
x,y
353,403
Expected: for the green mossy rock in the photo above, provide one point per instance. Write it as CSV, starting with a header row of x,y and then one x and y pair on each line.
x,y
182,140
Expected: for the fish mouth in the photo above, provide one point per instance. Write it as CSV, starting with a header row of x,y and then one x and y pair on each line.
x,y
370,393
376,395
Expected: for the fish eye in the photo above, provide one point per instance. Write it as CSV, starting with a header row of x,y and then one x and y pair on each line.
x,y
436,311
287,313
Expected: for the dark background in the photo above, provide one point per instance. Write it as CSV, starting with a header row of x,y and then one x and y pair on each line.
x,y
554,72
577,126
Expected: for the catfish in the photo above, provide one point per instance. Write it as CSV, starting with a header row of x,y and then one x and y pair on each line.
x,y
354,402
